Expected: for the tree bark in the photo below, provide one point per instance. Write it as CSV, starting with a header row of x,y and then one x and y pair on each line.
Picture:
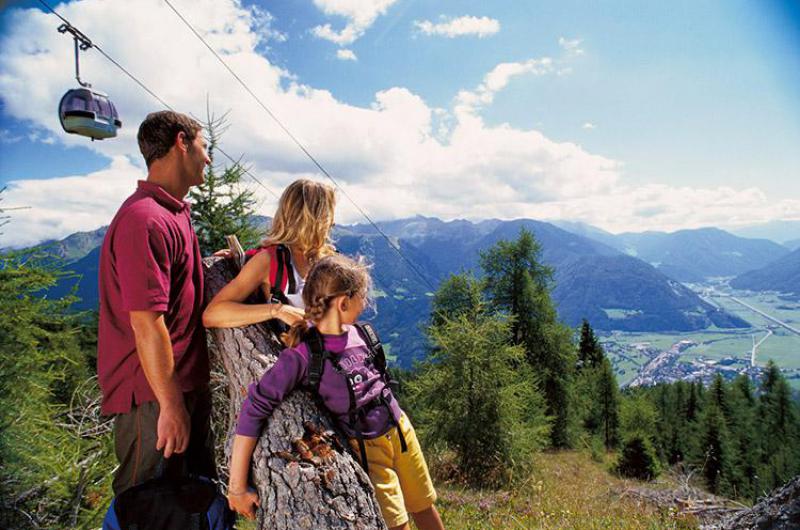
x,y
337,494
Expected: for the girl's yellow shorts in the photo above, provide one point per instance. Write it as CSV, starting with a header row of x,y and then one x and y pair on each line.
x,y
401,480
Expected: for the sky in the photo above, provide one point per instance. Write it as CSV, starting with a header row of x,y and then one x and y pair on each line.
x,y
629,116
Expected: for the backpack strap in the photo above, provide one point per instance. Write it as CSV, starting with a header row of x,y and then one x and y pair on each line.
x,y
378,356
370,337
316,361
284,256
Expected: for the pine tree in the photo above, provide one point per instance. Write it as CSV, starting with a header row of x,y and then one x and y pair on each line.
x,y
476,396
694,404
590,353
221,205
717,394
744,439
780,454
638,419
596,390
714,453
518,283
55,453
608,403
680,430
458,295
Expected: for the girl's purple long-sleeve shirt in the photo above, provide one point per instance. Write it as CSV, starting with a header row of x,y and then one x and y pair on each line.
x,y
291,371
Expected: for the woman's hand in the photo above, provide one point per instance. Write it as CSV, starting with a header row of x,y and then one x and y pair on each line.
x,y
244,502
224,253
290,314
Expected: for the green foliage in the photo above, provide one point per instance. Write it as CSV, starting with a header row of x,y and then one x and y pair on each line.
x,y
638,416
518,283
221,205
778,418
55,453
607,403
596,391
476,396
460,294
638,458
590,353
742,440
715,451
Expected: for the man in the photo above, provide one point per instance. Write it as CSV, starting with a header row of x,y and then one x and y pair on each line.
x,y
152,361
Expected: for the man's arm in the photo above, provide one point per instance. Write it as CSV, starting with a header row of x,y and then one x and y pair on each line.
x,y
154,348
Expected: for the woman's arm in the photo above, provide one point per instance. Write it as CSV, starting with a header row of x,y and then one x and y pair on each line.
x,y
240,498
228,310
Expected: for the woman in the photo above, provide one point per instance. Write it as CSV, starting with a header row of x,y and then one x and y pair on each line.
x,y
302,224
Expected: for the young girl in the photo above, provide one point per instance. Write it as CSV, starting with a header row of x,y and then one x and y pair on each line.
x,y
302,224
335,294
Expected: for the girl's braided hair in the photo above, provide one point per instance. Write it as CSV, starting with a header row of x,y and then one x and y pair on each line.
x,y
330,277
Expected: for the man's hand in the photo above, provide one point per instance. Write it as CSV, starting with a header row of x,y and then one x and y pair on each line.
x,y
154,347
173,430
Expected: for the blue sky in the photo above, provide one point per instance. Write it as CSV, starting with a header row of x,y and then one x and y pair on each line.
x,y
652,103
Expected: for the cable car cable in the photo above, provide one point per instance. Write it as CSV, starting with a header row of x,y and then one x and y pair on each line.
x,y
300,145
322,169
145,88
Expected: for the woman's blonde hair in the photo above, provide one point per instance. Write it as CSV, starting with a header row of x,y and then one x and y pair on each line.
x,y
330,277
304,218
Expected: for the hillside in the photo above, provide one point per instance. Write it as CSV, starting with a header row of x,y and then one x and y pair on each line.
x,y
622,293
783,275
568,490
792,244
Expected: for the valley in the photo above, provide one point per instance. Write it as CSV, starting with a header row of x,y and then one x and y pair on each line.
x,y
649,358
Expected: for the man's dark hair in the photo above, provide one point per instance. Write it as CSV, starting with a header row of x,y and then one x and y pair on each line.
x,y
158,130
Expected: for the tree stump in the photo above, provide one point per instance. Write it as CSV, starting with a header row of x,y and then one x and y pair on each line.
x,y
336,494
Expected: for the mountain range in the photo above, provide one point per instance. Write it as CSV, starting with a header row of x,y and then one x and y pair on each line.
x,y
596,274
782,275
690,255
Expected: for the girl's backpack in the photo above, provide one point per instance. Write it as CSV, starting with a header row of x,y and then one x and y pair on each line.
x,y
377,358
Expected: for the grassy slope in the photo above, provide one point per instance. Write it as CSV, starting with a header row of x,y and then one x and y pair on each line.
x,y
566,490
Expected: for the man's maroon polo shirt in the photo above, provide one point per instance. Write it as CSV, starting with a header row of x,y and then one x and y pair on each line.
x,y
150,260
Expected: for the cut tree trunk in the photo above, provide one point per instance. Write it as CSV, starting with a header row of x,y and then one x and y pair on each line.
x,y
335,494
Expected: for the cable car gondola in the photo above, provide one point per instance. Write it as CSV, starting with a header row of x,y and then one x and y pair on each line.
x,y
85,111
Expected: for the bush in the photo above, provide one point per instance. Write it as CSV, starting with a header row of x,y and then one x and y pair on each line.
x,y
638,459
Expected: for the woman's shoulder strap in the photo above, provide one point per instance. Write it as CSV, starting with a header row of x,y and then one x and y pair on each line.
x,y
280,264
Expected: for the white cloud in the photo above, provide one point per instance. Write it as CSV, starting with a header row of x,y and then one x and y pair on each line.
x,y
60,206
396,157
360,15
588,126
497,80
457,27
572,47
263,26
346,55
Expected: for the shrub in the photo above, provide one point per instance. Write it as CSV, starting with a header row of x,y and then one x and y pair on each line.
x,y
638,459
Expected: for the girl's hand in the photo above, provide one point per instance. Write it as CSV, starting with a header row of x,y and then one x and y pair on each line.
x,y
244,502
290,314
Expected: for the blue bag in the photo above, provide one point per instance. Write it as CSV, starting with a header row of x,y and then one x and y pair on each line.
x,y
190,503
